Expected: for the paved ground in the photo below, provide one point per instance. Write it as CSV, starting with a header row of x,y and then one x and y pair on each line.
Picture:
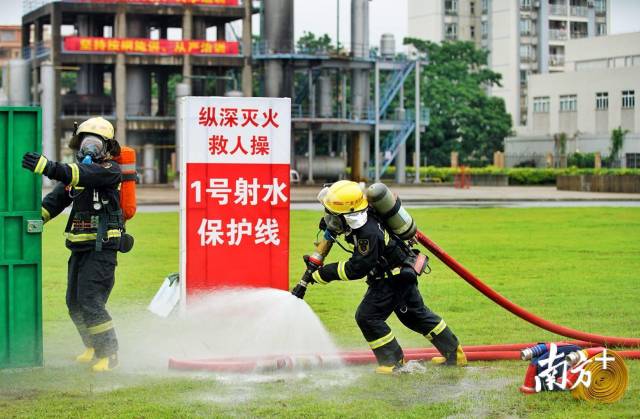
x,y
433,195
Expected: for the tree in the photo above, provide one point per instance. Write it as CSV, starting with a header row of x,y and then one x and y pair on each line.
x,y
617,142
311,44
463,117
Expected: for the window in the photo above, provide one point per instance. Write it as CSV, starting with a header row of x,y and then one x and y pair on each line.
x,y
525,4
472,31
485,6
628,99
525,27
523,77
451,31
541,104
484,29
633,160
601,29
472,8
568,103
6,36
526,53
601,6
451,6
602,101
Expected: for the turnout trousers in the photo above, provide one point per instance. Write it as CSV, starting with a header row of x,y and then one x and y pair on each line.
x,y
399,294
91,277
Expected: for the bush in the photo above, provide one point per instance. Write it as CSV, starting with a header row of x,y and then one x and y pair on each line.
x,y
583,160
517,176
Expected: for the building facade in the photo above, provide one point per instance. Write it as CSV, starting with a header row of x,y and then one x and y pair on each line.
x,y
524,37
596,93
9,43
124,60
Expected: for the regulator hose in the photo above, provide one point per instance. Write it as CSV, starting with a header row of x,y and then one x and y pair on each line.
x,y
516,309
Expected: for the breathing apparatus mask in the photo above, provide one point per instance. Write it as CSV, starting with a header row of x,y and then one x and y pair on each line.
x,y
92,149
339,223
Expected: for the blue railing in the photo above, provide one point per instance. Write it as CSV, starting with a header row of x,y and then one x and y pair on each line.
x,y
391,88
393,141
37,50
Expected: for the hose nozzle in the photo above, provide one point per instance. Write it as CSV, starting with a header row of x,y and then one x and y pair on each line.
x,y
533,352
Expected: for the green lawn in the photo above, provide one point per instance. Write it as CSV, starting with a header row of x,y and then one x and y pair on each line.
x,y
575,266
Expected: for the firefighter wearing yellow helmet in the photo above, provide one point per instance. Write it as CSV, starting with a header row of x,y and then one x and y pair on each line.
x,y
391,270
93,232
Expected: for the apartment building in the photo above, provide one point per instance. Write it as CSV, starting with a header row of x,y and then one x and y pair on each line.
x,y
596,93
524,37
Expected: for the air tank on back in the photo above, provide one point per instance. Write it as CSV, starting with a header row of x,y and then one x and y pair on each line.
x,y
391,210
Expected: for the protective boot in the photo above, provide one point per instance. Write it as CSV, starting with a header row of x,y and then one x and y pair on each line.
x,y
402,367
448,345
390,369
106,364
87,356
460,359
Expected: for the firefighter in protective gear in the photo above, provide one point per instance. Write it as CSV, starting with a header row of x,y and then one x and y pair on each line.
x,y
387,263
93,232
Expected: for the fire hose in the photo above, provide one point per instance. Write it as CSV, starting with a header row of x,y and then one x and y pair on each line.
x,y
516,309
609,384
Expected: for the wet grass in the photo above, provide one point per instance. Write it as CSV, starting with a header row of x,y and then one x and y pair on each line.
x,y
577,267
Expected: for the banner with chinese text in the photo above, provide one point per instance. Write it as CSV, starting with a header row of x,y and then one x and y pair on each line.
x,y
234,201
150,46
169,2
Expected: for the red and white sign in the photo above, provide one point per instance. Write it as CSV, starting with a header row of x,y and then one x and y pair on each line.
x,y
234,201
169,2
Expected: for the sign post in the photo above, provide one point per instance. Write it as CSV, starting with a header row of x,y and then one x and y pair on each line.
x,y
234,196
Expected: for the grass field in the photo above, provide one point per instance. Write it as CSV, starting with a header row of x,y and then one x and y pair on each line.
x,y
578,267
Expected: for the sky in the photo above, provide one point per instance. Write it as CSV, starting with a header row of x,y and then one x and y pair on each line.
x,y
386,16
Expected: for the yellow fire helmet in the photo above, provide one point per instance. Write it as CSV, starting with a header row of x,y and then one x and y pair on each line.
x,y
343,197
97,126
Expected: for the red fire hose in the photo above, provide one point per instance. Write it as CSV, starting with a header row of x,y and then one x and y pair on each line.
x,y
516,309
289,362
473,353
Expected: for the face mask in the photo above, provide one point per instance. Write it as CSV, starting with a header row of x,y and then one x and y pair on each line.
x,y
356,219
92,148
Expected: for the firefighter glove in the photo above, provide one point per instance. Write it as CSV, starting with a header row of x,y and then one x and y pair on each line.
x,y
307,277
312,266
35,162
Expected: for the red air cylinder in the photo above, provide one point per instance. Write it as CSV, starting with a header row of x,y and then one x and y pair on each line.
x,y
127,162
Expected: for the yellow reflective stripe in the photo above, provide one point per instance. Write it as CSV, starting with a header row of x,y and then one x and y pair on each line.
x,y
386,237
103,327
42,162
45,214
316,277
395,271
436,330
382,341
75,174
91,236
341,272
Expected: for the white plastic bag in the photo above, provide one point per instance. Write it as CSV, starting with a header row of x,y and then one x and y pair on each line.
x,y
167,296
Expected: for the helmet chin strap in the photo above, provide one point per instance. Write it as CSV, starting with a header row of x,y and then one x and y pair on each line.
x,y
356,220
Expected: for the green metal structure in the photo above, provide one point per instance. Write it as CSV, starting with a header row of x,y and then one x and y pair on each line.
x,y
20,240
